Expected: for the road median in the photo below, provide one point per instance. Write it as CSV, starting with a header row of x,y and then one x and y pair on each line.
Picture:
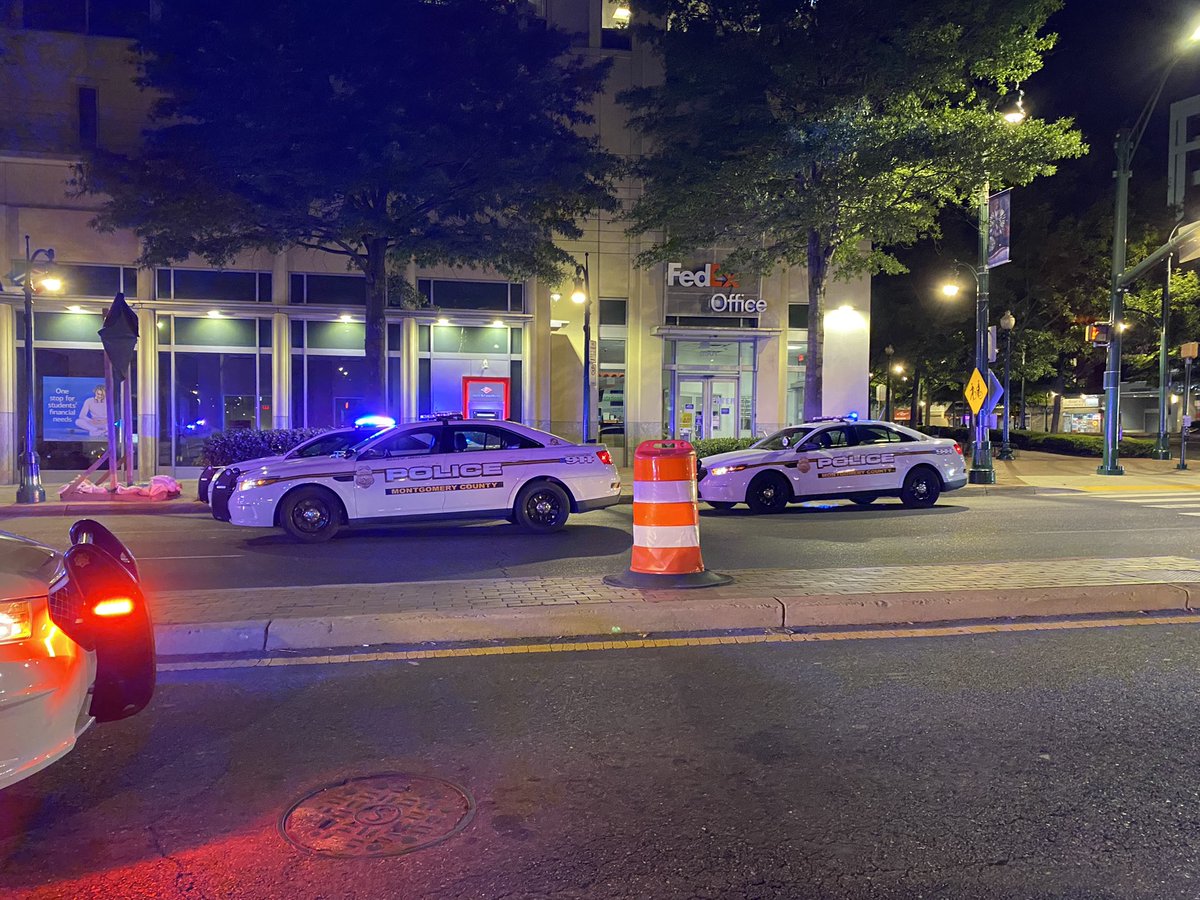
x,y
256,620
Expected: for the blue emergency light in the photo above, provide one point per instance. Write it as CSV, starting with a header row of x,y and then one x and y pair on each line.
x,y
374,422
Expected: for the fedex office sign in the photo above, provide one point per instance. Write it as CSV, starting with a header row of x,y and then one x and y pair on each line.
x,y
727,300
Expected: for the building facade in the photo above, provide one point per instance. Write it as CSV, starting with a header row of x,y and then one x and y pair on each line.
x,y
275,340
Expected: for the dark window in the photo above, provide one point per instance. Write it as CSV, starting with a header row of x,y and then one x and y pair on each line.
x,y
515,345
297,336
616,39
296,288
423,338
207,284
879,434
88,118
336,289
491,295
424,386
92,281
612,312
264,333
129,275
516,297
162,284
264,287
56,15
467,440
395,337
833,438
421,442
797,315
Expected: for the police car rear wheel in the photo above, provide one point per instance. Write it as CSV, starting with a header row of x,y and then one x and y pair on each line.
x,y
921,489
310,515
542,507
768,493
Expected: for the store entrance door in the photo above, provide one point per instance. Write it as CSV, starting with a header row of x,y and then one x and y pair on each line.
x,y
706,406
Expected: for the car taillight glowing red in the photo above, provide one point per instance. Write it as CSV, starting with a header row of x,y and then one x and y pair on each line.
x,y
958,448
604,456
114,606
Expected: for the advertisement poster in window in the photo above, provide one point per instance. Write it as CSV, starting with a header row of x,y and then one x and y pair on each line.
x,y
74,409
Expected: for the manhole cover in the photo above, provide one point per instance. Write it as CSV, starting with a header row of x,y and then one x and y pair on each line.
x,y
378,815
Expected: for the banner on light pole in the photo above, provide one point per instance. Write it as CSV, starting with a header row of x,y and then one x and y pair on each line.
x,y
999,228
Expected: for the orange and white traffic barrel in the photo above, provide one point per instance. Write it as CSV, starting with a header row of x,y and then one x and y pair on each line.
x,y
666,520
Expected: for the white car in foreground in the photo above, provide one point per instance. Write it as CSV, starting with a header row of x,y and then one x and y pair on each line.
x,y
466,469
830,460
76,644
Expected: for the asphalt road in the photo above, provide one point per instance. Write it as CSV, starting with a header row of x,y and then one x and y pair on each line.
x,y
1035,765
194,551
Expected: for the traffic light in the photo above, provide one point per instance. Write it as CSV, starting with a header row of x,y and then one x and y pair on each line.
x,y
1097,333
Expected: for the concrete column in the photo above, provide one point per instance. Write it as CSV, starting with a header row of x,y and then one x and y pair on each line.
x,y
281,371
8,395
147,396
846,371
771,375
410,380
536,353
644,379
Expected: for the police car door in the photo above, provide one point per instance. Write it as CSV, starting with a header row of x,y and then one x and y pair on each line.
x,y
882,465
823,462
399,474
483,456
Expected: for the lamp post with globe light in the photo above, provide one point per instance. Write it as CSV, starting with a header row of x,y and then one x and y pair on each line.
x,y
1007,321
30,489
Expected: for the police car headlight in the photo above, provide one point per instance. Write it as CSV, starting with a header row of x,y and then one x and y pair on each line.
x,y
16,621
250,483
725,470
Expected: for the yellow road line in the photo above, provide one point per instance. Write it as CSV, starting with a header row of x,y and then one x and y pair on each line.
x,y
698,641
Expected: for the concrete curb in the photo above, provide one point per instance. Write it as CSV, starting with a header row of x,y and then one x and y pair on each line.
x,y
682,615
106,508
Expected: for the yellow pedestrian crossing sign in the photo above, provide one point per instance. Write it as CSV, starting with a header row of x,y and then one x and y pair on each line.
x,y
976,392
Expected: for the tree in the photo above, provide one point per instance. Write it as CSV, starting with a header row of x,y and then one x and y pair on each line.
x,y
445,132
820,133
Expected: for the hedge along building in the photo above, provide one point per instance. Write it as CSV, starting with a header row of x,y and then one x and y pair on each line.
x,y
275,340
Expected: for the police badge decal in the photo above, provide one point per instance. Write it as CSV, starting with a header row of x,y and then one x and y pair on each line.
x,y
363,476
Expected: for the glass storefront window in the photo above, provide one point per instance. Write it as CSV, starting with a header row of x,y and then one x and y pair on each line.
x,y
453,339
213,392
222,332
337,391
707,354
446,380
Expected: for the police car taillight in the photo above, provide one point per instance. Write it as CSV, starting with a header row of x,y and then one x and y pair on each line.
x,y
604,456
958,448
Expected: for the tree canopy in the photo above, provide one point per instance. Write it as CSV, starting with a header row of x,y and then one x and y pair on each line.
x,y
450,132
819,133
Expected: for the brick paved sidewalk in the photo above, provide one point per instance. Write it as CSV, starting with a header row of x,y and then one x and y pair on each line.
x,y
493,594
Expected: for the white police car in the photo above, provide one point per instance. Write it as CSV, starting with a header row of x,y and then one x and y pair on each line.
x,y
468,469
323,444
830,460
76,644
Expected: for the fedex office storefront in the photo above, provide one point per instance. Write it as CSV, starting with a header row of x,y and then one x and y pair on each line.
x,y
735,350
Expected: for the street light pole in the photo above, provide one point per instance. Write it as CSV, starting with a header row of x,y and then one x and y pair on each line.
x,y
887,393
1006,325
30,489
1162,448
982,471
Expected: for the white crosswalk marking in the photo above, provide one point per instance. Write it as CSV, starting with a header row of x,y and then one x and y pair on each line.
x,y
1178,499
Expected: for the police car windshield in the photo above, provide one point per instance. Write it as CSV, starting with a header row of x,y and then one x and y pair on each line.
x,y
782,440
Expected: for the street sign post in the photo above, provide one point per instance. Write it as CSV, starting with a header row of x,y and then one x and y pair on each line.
x,y
976,392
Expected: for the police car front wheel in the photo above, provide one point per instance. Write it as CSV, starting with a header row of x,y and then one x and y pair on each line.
x,y
311,515
542,507
768,493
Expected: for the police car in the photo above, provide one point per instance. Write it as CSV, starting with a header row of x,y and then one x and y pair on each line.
x,y
830,459
469,469
76,644
323,444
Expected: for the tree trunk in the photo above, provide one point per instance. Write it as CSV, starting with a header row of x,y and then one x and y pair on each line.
x,y
1060,381
914,403
818,270
375,343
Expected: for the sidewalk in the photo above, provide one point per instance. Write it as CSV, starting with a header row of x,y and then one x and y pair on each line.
x,y
355,615
186,502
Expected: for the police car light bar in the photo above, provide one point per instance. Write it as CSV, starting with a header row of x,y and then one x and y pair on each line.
x,y
374,422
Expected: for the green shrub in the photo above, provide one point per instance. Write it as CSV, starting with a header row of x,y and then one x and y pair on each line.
x,y
223,448
1065,444
711,446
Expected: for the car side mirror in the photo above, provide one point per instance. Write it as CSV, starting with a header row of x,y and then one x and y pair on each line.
x,y
370,453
